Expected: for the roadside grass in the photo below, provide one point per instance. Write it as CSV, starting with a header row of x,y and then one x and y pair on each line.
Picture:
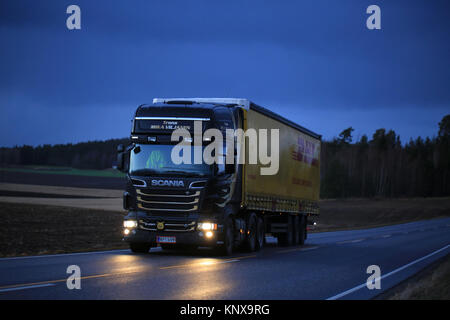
x,y
108,173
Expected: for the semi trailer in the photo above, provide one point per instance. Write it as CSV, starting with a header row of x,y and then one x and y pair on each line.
x,y
225,204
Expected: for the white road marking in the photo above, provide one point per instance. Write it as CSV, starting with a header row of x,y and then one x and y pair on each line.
x,y
297,249
155,249
340,295
306,249
64,254
228,261
350,241
386,236
27,287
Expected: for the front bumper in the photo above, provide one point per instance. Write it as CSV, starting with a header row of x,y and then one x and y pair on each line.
x,y
187,233
188,238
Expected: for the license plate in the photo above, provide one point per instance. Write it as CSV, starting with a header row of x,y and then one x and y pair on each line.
x,y
165,239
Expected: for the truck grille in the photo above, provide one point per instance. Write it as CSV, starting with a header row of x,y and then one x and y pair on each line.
x,y
168,200
172,226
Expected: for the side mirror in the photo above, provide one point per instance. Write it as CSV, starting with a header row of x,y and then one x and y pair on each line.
x,y
120,162
120,157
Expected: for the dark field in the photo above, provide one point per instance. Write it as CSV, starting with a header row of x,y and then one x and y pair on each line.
x,y
63,180
37,229
366,213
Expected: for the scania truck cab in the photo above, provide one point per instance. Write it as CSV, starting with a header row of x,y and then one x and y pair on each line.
x,y
198,204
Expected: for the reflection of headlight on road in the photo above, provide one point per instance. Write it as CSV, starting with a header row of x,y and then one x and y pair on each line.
x,y
130,224
126,232
207,226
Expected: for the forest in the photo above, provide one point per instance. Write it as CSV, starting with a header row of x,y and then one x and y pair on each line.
x,y
379,166
384,167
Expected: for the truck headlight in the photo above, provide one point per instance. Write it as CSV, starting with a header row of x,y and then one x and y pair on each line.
x,y
206,226
130,224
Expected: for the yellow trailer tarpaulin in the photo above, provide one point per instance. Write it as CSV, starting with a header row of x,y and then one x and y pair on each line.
x,y
296,186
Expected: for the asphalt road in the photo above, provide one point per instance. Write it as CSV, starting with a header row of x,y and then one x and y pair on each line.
x,y
331,265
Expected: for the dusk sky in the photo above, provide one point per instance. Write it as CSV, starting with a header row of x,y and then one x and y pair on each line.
x,y
314,62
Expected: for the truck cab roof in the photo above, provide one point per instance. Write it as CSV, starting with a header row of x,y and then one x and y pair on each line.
x,y
198,107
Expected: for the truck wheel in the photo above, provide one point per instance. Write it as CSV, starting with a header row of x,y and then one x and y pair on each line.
x,y
287,238
138,247
250,241
297,227
226,248
301,231
260,234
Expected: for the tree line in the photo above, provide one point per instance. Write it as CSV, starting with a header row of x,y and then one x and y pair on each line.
x,y
380,166
85,155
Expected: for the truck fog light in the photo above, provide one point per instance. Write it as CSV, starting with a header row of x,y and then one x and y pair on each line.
x,y
126,232
130,224
209,234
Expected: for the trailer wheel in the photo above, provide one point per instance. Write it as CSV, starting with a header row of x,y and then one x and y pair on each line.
x,y
302,230
226,248
252,227
260,234
139,247
287,238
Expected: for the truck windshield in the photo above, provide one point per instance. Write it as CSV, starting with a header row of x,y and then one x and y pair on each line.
x,y
156,159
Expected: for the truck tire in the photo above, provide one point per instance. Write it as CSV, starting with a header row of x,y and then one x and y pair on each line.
x,y
297,227
302,230
139,247
251,237
260,234
287,238
226,248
